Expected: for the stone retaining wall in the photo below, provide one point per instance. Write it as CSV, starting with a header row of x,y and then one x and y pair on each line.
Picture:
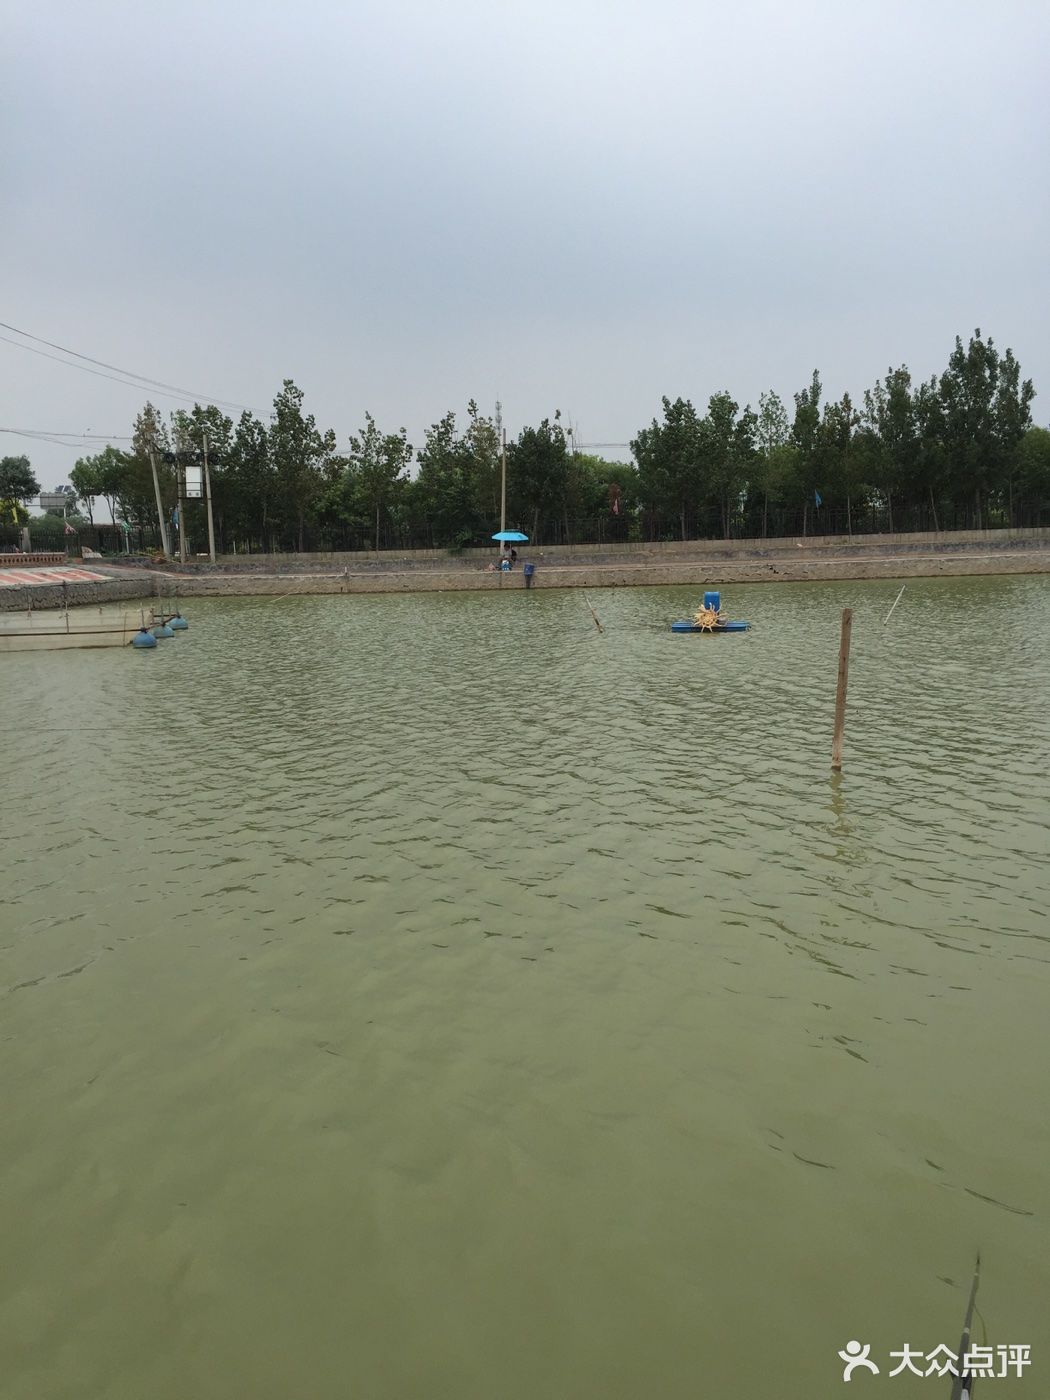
x,y
441,561
785,568
612,576
53,595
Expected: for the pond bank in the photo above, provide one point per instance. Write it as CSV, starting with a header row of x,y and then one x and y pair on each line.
x,y
706,563
648,575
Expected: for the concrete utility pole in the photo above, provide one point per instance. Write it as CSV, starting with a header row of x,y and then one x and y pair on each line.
x,y
503,488
180,476
207,497
164,542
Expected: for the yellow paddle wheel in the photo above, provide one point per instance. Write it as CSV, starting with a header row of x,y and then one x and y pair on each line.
x,y
707,618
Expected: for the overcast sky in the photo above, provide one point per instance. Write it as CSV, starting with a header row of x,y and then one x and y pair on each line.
x,y
576,205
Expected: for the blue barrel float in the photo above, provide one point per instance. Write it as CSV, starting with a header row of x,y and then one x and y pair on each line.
x,y
178,623
708,618
143,639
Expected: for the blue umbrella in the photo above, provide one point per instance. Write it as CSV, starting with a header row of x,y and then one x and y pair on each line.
x,y
509,535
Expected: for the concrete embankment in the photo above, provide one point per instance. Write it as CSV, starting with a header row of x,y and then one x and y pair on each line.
x,y
699,572
701,563
139,587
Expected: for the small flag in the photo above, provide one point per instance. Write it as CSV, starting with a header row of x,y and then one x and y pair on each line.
x,y
816,497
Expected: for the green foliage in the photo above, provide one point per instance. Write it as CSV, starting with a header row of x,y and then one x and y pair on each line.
x,y
301,456
772,428
596,484
245,489
537,476
375,478
668,458
727,452
17,485
959,445
774,465
697,467
805,438
1033,464
50,525
449,491
986,412
105,475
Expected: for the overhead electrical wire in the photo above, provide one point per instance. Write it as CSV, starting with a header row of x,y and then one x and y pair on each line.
x,y
173,390
86,436
98,373
66,439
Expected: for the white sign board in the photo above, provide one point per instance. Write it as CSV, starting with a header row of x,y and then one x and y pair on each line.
x,y
194,484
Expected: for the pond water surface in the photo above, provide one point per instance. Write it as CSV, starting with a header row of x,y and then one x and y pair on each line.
x,y
430,996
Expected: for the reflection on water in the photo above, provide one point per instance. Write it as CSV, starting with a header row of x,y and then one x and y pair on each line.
x,y
432,996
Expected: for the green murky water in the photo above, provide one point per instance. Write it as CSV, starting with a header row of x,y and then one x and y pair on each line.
x,y
431,997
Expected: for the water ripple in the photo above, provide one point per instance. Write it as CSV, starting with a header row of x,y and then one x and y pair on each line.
x,y
395,922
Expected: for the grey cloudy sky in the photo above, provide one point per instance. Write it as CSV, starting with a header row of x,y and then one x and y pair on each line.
x,y
574,205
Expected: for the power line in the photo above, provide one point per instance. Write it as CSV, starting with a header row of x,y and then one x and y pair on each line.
x,y
87,436
155,383
173,389
65,439
190,398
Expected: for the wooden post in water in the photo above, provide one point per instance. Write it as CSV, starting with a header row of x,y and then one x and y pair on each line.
x,y
840,692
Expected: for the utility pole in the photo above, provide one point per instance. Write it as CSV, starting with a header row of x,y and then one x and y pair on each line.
x,y
164,542
207,497
180,474
503,487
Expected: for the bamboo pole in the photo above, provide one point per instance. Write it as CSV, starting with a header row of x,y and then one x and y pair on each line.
x,y
840,691
896,600
597,624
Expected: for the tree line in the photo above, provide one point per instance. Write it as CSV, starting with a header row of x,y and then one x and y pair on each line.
x,y
958,450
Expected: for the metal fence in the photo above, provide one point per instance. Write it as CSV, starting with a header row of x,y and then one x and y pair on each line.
x,y
103,539
632,527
